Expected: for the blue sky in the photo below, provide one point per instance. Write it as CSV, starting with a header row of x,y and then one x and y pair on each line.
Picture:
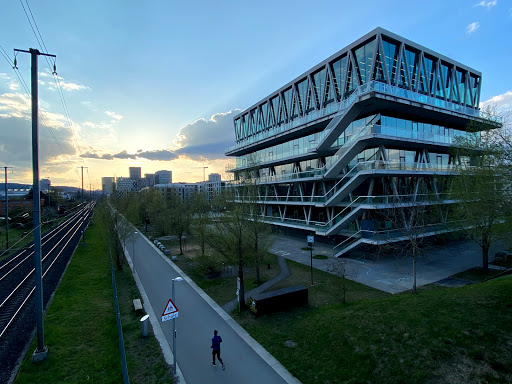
x,y
155,84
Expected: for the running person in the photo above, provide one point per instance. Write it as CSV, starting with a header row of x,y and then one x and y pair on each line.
x,y
216,340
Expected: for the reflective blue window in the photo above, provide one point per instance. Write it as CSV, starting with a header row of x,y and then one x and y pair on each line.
x,y
351,81
318,80
378,73
391,53
412,62
364,57
287,102
264,115
461,83
339,67
430,73
302,88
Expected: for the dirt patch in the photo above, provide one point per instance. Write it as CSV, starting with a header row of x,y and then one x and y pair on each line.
x,y
462,369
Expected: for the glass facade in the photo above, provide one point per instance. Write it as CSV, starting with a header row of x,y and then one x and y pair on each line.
x,y
380,58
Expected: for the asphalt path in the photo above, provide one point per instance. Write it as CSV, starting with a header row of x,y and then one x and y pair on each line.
x,y
245,360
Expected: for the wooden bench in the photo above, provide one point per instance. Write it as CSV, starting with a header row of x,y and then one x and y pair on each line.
x,y
137,305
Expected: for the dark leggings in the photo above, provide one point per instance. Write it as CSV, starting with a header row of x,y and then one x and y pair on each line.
x,y
216,352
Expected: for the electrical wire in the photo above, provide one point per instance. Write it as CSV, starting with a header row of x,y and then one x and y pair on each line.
x,y
42,46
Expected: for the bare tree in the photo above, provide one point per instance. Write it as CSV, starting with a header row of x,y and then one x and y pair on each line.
x,y
228,235
411,221
339,267
200,219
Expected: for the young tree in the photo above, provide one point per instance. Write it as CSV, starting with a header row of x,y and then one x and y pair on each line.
x,y
259,232
483,186
200,219
179,214
339,267
410,219
228,235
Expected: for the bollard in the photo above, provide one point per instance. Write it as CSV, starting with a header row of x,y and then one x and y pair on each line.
x,y
144,325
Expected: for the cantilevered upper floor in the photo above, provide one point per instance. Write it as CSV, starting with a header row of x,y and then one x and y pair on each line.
x,y
379,71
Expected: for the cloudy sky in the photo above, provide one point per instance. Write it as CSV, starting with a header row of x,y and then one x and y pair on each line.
x,y
155,84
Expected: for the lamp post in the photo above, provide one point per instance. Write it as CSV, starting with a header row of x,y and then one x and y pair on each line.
x,y
133,249
49,191
179,278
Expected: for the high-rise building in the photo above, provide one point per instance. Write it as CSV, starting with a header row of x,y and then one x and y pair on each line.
x,y
333,149
45,185
163,177
107,185
135,173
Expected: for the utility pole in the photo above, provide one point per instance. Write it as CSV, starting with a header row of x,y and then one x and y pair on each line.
x,y
83,182
6,212
49,191
41,352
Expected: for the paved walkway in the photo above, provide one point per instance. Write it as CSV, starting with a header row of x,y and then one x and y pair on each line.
x,y
284,272
389,274
246,361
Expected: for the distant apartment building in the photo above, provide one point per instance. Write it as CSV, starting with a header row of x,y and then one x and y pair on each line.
x,y
185,191
163,177
149,179
107,185
125,185
135,173
212,187
45,185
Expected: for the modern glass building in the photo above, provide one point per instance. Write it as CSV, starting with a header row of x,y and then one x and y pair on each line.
x,y
332,151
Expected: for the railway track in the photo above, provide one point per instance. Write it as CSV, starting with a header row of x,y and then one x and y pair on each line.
x,y
17,285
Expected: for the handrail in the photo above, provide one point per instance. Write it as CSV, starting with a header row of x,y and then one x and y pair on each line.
x,y
337,107
385,199
366,165
352,237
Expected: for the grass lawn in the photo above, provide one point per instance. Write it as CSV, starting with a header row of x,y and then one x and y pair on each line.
x,y
477,274
327,288
221,289
453,335
81,329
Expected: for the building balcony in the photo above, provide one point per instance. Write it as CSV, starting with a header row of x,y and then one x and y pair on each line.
x,y
382,95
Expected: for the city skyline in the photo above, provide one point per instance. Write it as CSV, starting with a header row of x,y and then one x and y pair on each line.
x,y
158,87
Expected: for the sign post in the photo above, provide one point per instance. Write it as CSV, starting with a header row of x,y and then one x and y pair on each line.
x,y
311,240
171,312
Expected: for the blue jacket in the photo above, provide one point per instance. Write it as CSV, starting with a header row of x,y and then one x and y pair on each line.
x,y
216,342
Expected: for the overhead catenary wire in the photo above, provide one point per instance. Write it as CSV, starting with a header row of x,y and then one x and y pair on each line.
x,y
42,45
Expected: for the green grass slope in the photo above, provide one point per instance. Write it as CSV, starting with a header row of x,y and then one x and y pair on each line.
x,y
457,335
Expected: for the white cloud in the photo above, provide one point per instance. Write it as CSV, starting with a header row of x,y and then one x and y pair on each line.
x,y
114,115
51,83
15,104
472,27
72,86
207,138
14,86
487,4
502,102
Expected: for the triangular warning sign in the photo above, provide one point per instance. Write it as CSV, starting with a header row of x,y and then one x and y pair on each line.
x,y
170,311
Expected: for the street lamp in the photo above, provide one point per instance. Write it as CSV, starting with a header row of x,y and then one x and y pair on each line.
x,y
179,278
133,249
49,191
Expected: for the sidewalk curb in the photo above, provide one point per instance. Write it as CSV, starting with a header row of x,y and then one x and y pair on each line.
x,y
262,352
